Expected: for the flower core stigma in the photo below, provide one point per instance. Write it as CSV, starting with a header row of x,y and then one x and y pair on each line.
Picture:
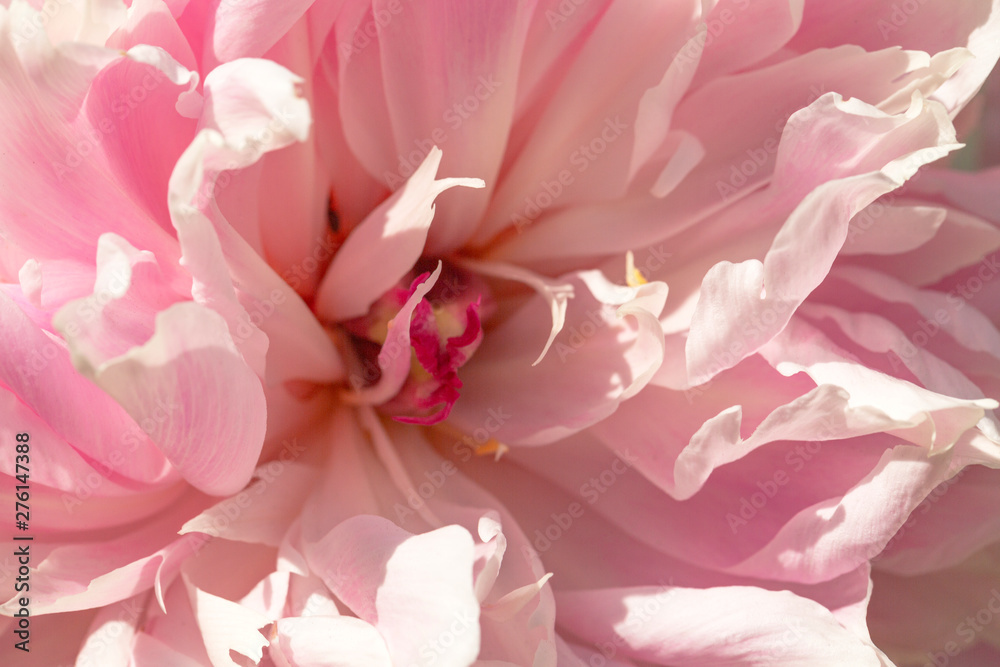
x,y
443,330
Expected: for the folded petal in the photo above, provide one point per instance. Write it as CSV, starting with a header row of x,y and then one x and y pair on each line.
x,y
609,348
391,238
192,363
728,625
767,293
323,641
416,589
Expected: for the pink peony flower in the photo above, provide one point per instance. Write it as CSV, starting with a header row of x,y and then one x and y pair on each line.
x,y
339,333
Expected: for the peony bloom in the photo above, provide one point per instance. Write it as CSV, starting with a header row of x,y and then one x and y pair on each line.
x,y
338,333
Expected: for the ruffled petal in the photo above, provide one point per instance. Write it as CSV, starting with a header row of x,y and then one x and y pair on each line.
x,y
767,293
392,238
746,626
416,589
322,641
610,347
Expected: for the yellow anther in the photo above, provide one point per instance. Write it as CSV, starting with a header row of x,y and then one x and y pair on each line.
x,y
633,277
492,446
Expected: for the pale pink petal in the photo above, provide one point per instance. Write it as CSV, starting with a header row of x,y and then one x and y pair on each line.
x,y
356,191
192,365
969,327
414,588
798,528
149,650
740,33
941,616
882,229
71,490
70,628
738,625
261,513
489,555
555,34
80,575
173,624
941,531
323,641
129,290
270,596
556,295
802,252
680,461
392,238
242,99
580,656
150,22
837,536
962,240
581,144
923,417
391,80
112,633
517,610
656,107
739,144
931,26
248,30
227,626
80,413
582,380
56,134
162,95
876,334
410,483
974,192
256,108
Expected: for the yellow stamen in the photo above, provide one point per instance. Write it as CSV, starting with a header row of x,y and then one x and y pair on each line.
x,y
492,446
633,277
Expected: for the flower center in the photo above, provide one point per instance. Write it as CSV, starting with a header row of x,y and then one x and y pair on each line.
x,y
444,330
